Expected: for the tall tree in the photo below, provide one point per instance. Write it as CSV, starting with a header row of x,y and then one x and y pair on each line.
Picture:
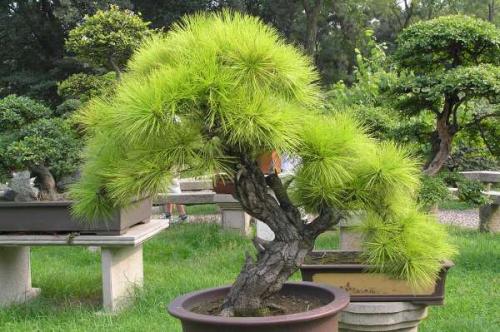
x,y
108,38
448,62
312,9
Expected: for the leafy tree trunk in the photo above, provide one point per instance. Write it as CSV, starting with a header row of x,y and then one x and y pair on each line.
x,y
312,16
441,146
276,260
47,183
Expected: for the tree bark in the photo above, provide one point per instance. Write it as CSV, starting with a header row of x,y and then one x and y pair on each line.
x,y
47,183
277,260
442,143
312,17
491,11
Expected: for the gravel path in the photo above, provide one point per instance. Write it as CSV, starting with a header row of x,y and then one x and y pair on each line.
x,y
462,218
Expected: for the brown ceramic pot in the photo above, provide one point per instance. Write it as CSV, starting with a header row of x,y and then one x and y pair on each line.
x,y
224,186
322,319
269,162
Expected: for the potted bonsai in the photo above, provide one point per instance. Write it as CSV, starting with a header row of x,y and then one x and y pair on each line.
x,y
38,146
45,143
209,97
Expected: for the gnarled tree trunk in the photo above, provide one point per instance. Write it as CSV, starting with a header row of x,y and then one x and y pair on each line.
x,y
276,260
441,148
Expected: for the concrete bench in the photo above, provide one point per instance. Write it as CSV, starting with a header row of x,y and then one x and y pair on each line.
x,y
232,214
121,262
486,177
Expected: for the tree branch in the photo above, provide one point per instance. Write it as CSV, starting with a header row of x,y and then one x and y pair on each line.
x,y
327,218
274,182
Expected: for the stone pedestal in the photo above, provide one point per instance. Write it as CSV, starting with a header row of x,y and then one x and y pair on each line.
x,y
350,238
233,216
382,316
489,218
122,274
15,276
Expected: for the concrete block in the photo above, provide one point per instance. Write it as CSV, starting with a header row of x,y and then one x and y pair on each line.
x,y
232,214
489,218
15,276
122,274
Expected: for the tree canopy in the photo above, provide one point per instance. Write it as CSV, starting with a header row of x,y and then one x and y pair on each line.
x,y
108,38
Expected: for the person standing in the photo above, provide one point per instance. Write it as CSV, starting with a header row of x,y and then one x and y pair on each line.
x,y
175,188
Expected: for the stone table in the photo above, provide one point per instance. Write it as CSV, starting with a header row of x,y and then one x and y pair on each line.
x,y
121,262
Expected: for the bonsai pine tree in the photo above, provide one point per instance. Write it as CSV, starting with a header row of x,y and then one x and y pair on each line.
x,y
32,138
452,60
213,94
108,38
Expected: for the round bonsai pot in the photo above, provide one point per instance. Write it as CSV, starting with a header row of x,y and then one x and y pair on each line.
x,y
321,319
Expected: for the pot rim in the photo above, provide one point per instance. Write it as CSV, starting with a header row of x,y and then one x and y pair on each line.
x,y
341,300
445,264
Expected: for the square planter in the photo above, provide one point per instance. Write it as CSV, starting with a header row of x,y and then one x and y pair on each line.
x,y
55,217
343,269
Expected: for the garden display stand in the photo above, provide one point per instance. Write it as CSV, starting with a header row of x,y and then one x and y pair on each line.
x,y
121,262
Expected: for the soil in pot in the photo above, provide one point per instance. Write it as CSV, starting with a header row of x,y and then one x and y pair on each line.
x,y
278,304
198,310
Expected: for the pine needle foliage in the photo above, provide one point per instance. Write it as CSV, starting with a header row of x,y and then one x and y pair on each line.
x,y
221,86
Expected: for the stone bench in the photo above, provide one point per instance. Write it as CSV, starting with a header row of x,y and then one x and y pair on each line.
x,y
121,262
232,215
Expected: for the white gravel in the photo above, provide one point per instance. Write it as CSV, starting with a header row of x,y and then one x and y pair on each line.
x,y
462,218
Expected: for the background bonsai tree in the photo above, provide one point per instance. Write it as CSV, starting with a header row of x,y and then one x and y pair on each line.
x,y
32,138
212,95
450,61
108,38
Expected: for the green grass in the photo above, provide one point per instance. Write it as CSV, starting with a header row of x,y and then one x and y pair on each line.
x,y
189,257
204,209
453,204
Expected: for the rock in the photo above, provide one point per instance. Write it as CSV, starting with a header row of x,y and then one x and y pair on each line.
x,y
23,186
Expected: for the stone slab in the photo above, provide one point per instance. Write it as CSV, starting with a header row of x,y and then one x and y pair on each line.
x,y
186,198
135,236
483,176
196,185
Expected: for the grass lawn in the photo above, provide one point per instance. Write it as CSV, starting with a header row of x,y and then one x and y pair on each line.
x,y
190,257
455,204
